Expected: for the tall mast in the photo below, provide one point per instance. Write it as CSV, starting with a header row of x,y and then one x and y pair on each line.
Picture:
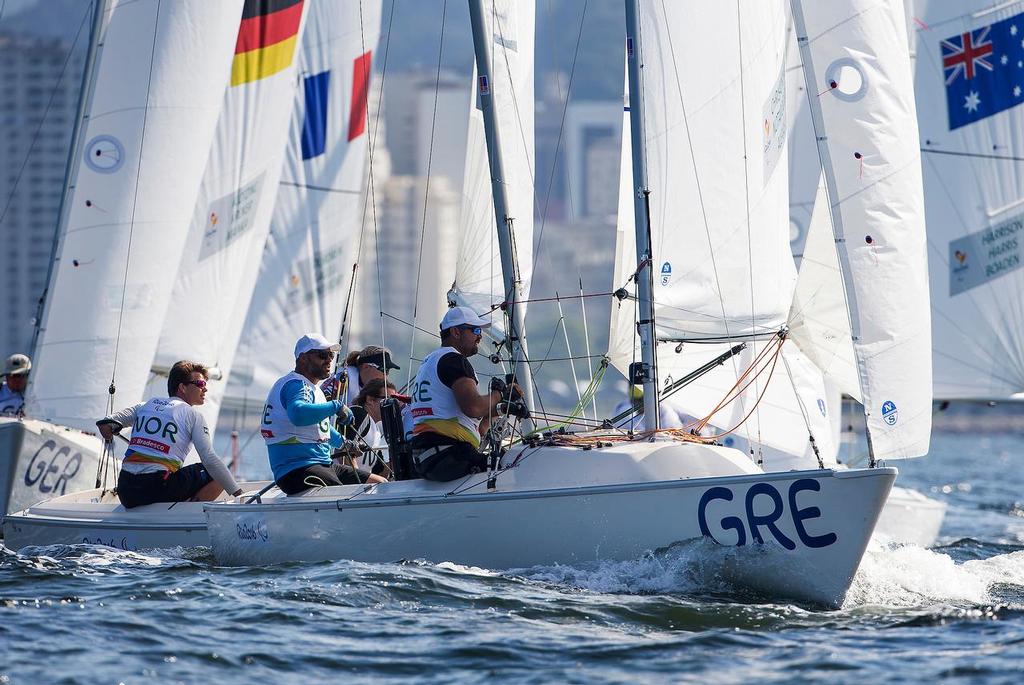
x,y
647,373
99,8
506,245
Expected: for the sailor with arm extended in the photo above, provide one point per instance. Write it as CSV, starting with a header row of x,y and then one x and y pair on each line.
x,y
163,430
297,426
447,408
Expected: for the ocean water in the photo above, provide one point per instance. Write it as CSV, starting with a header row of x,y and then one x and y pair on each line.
x,y
86,614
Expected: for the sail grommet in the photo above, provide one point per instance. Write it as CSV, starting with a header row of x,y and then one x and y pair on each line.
x,y
846,79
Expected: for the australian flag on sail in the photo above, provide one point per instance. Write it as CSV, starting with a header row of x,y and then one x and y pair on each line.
x,y
984,71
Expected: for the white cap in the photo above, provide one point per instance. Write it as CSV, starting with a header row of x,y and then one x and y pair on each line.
x,y
17,364
314,341
462,316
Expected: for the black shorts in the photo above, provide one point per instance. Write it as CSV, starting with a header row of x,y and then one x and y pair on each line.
x,y
136,489
320,475
448,462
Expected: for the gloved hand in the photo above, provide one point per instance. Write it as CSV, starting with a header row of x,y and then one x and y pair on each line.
x,y
345,415
498,385
516,409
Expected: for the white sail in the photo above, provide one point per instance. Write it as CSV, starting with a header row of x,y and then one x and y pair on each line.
x,y
819,319
717,168
970,116
232,216
857,64
306,268
478,277
159,82
771,417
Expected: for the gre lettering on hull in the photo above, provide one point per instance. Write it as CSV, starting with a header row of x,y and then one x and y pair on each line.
x,y
760,514
979,257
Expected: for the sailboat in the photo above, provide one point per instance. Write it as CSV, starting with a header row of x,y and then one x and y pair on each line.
x,y
579,498
134,172
96,516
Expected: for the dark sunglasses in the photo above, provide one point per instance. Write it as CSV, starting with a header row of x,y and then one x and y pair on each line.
x,y
475,330
199,384
324,354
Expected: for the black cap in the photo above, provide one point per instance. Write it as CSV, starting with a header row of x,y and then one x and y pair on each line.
x,y
379,358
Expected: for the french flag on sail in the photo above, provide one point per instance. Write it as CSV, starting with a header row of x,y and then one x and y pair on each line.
x,y
984,71
317,129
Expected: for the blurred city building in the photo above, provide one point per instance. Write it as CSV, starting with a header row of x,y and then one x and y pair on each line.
x,y
40,78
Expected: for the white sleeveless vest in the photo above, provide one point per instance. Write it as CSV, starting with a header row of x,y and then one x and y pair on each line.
x,y
162,433
434,402
276,428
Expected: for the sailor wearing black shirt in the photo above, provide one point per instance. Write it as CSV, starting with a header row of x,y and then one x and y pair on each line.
x,y
447,408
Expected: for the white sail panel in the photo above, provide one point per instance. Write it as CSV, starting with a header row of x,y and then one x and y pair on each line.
x,y
717,167
306,269
819,319
478,278
232,215
159,82
974,192
858,69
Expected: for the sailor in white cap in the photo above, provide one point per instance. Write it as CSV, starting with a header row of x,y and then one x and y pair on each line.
x,y
297,426
12,392
447,408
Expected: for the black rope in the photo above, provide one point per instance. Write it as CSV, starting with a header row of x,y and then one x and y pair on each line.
x,y
973,155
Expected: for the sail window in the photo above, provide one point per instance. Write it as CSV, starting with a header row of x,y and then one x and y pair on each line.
x,y
846,79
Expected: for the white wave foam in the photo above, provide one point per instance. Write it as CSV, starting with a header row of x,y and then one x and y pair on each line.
x,y
902,576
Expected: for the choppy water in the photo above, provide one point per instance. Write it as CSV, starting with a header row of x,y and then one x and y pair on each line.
x,y
89,614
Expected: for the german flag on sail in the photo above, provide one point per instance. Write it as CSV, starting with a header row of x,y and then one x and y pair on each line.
x,y
266,39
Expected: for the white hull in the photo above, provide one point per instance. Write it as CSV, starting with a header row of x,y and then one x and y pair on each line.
x,y
909,517
634,498
96,517
40,460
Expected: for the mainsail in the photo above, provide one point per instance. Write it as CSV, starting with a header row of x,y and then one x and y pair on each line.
x,y
232,216
478,276
969,92
718,181
158,86
857,67
306,269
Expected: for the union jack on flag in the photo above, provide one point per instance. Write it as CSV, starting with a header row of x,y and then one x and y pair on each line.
x,y
964,54
984,70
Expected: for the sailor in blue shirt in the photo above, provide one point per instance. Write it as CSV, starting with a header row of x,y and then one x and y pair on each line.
x,y
297,426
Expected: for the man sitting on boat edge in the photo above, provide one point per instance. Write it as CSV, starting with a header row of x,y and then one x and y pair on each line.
x,y
447,409
297,428
163,430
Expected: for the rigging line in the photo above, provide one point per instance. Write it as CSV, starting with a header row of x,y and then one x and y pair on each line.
x,y
564,359
46,111
306,186
135,201
803,412
973,155
410,324
426,194
371,145
558,145
586,342
746,200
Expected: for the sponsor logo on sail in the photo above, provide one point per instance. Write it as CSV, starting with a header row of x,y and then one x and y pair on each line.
x,y
889,413
666,273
